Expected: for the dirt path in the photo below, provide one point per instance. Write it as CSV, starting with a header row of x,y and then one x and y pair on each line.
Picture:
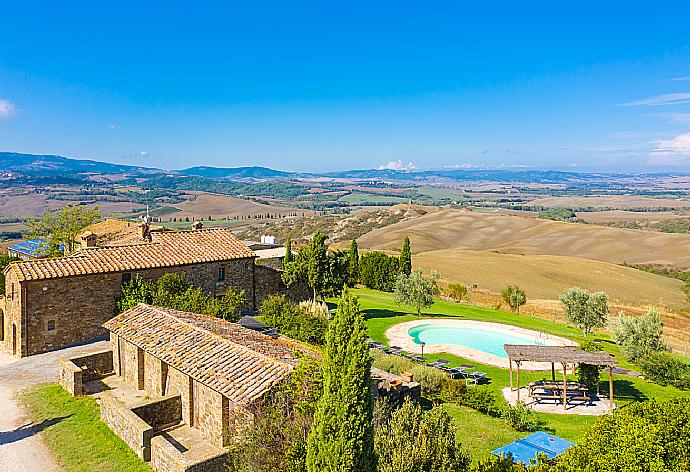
x,y
21,447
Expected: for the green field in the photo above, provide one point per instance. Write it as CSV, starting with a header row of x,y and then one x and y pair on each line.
x,y
73,430
481,433
371,199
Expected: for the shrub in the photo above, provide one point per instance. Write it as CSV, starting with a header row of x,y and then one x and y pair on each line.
x,y
639,336
292,321
665,369
415,441
588,374
378,271
521,417
457,292
481,399
173,291
644,436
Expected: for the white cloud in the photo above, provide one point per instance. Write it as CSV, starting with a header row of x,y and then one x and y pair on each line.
x,y
398,165
672,151
114,126
675,117
663,99
143,153
6,109
683,79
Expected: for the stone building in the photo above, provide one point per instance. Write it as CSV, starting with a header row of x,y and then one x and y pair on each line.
x,y
52,303
183,383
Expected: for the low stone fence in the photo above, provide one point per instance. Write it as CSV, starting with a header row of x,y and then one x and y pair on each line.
x,y
165,457
134,431
162,413
136,426
76,371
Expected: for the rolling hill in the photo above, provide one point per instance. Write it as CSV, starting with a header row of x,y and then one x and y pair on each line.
x,y
447,228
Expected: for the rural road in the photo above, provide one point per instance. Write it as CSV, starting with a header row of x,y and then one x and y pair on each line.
x,y
21,448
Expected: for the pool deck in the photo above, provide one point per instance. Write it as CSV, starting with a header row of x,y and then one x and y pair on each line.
x,y
398,335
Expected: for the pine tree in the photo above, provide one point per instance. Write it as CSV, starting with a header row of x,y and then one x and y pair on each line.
x,y
353,263
342,436
405,265
288,253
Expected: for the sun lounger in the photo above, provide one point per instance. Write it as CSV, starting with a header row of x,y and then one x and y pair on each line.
x,y
473,377
454,372
438,363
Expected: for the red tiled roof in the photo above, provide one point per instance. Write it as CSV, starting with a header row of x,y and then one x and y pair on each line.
x,y
237,362
167,249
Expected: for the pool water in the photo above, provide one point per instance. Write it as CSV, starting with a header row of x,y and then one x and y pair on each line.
x,y
479,338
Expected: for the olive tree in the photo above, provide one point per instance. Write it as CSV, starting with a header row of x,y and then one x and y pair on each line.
x,y
585,310
514,296
416,289
639,336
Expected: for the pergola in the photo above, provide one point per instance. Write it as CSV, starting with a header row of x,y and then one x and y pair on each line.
x,y
564,355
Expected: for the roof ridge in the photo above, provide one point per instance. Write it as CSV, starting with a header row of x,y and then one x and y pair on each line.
x,y
163,311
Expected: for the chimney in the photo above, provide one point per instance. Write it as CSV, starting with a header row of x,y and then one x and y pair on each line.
x,y
88,239
146,226
197,225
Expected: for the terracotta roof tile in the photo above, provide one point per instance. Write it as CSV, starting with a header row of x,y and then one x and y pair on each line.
x,y
167,249
237,362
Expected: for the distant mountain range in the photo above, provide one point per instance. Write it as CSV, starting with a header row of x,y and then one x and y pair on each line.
x,y
254,172
50,165
36,164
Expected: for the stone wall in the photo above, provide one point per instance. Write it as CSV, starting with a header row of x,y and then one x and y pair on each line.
x,y
132,358
180,384
269,281
212,414
11,306
165,457
162,413
127,425
154,375
69,310
75,372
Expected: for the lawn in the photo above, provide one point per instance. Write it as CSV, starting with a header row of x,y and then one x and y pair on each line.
x,y
73,430
480,432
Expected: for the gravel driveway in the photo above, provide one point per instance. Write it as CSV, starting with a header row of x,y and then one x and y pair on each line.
x,y
21,448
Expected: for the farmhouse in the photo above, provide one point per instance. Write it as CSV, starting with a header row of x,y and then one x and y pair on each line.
x,y
178,387
52,303
182,383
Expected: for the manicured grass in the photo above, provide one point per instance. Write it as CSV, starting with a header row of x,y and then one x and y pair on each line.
x,y
480,431
74,432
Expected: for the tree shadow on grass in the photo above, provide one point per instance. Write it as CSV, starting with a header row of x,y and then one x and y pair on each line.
x,y
28,430
624,390
372,313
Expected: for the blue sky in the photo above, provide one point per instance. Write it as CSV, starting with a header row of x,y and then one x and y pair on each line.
x,y
328,86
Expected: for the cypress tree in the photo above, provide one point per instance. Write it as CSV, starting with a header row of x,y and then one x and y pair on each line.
x,y
288,253
342,435
405,265
353,262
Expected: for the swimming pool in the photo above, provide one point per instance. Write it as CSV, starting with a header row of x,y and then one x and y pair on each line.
x,y
485,339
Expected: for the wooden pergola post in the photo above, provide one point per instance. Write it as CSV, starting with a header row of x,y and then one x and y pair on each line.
x,y
565,385
518,380
611,389
510,361
553,371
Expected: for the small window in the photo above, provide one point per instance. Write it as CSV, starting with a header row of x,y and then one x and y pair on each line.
x,y
126,278
51,325
221,274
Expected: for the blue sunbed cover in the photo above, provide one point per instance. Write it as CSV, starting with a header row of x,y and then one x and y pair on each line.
x,y
526,449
